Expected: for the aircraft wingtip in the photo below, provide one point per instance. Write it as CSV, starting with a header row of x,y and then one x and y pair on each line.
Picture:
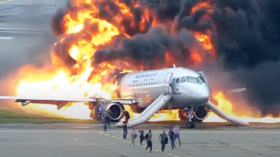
x,y
238,90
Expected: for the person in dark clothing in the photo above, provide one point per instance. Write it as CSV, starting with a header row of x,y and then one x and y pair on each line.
x,y
126,115
124,130
104,119
148,138
142,138
108,121
108,118
163,140
172,138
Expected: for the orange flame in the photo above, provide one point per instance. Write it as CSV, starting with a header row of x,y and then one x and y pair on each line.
x,y
249,115
163,115
200,5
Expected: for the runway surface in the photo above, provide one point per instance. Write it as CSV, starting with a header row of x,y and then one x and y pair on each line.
x,y
80,141
25,33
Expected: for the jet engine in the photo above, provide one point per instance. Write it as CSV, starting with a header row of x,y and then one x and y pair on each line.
x,y
114,110
199,114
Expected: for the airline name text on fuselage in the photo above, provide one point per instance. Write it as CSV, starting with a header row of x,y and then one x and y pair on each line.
x,y
146,75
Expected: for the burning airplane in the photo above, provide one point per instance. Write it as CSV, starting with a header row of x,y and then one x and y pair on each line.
x,y
99,40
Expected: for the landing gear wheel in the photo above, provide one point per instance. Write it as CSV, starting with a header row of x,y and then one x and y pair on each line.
x,y
190,125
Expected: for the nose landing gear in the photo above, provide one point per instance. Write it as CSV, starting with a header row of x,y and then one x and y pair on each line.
x,y
190,124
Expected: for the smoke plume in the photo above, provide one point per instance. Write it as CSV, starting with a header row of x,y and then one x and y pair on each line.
x,y
244,36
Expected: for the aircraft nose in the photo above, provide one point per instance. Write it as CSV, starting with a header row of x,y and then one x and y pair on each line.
x,y
204,94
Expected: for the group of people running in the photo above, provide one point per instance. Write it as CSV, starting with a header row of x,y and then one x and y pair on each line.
x,y
173,134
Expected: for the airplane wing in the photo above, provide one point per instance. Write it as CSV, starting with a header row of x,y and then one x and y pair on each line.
x,y
46,100
60,102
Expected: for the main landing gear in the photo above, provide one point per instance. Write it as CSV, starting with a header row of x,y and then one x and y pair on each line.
x,y
190,124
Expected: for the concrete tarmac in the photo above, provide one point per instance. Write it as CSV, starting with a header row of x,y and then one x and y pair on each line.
x,y
35,141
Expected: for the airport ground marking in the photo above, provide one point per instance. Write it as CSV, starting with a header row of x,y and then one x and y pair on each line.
x,y
128,141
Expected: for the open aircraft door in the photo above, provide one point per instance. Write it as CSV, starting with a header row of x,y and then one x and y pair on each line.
x,y
167,81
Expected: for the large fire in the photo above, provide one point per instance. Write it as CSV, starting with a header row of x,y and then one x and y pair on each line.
x,y
62,83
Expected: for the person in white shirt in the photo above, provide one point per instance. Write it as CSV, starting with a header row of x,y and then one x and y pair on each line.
x,y
176,131
133,137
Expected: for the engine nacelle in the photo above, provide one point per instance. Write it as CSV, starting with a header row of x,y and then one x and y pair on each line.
x,y
200,113
114,110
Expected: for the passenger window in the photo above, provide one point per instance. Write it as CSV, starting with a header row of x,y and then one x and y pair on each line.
x,y
183,79
192,80
177,80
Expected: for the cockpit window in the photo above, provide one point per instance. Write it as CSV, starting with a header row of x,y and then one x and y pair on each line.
x,y
192,80
183,79
177,80
201,78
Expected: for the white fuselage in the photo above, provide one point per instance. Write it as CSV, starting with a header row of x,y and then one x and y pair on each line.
x,y
188,88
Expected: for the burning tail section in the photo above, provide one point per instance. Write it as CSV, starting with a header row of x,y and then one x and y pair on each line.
x,y
149,111
221,114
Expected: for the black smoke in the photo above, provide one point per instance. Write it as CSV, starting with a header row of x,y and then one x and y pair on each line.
x,y
56,21
245,33
149,49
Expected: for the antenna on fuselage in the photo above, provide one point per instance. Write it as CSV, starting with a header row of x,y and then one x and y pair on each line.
x,y
174,66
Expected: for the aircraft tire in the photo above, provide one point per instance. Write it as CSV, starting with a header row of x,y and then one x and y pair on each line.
x,y
190,125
